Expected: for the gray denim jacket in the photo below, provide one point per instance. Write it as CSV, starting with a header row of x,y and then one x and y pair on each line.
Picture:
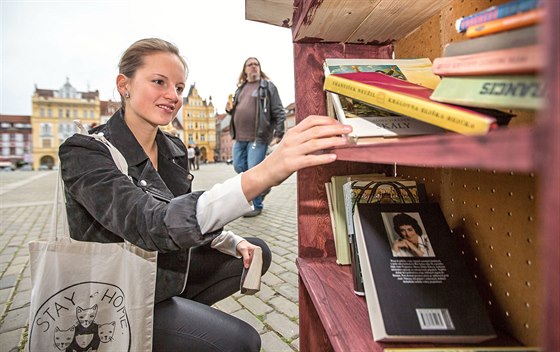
x,y
156,211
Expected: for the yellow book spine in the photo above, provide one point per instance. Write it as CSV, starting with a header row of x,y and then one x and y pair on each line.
x,y
434,113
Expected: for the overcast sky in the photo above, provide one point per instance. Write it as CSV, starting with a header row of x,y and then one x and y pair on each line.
x,y
45,41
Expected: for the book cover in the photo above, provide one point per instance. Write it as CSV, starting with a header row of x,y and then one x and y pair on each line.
x,y
507,92
418,288
251,277
375,190
503,40
495,12
507,23
520,60
368,121
418,71
408,99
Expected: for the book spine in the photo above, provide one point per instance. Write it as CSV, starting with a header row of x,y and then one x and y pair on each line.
x,y
508,61
504,24
434,113
496,12
504,40
511,92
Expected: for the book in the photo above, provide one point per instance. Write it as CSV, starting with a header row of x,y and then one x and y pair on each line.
x,y
519,60
337,211
508,92
418,71
465,349
507,23
408,99
374,124
371,123
251,277
375,190
496,12
502,40
418,288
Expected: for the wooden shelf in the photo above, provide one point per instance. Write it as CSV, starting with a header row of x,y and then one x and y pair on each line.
x,y
344,315
502,150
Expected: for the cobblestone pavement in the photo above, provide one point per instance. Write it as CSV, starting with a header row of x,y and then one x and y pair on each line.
x,y
25,208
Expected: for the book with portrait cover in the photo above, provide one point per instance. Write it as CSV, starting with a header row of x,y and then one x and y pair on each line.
x,y
417,285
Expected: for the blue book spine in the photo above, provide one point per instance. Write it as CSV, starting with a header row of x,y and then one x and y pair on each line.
x,y
495,12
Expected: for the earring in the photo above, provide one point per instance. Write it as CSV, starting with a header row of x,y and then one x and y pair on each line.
x,y
126,95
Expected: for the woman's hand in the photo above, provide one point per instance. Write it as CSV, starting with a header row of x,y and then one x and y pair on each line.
x,y
246,249
300,148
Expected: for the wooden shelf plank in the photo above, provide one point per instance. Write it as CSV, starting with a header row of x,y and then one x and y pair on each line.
x,y
344,315
502,150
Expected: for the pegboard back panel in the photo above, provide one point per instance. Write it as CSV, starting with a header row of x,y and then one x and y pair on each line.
x,y
430,38
493,216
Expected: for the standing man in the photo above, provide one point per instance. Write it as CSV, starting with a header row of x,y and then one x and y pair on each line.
x,y
197,156
257,121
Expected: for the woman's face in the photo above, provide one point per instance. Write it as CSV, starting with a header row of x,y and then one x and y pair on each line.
x,y
408,233
156,90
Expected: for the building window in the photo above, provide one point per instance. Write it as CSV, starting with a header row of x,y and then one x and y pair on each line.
x,y
42,112
67,112
75,113
85,114
91,114
59,112
46,130
47,143
49,112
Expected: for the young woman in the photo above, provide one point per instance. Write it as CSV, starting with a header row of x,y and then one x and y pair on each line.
x,y
157,210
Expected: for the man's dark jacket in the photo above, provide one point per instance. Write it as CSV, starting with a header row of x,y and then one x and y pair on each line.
x,y
156,211
270,113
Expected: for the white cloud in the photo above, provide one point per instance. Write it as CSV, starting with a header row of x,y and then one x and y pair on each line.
x,y
43,42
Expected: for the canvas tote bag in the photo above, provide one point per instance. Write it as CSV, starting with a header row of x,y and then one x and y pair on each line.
x,y
89,296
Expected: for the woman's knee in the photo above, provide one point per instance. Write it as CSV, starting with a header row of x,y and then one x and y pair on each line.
x,y
266,253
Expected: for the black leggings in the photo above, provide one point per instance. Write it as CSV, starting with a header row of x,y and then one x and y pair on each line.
x,y
189,323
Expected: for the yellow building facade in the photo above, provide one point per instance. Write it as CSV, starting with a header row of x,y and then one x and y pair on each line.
x,y
52,116
199,123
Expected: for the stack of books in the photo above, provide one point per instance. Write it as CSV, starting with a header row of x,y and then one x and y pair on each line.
x,y
497,66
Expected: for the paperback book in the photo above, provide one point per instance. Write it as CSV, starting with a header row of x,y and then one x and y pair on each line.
x,y
507,23
251,277
504,40
417,286
408,99
496,12
519,60
504,91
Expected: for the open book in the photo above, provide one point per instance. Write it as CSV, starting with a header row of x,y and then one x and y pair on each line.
x,y
251,277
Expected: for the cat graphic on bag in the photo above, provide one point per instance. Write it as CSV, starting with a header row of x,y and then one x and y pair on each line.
x,y
85,335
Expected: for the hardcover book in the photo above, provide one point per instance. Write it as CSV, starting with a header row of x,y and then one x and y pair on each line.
x,y
506,91
504,40
520,60
375,190
408,99
495,12
507,23
418,288
371,123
